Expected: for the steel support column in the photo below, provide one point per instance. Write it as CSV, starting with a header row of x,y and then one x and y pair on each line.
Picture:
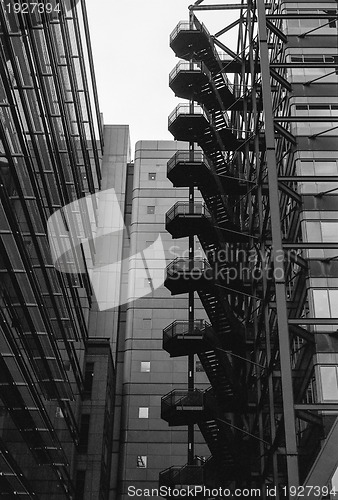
x,y
282,318
191,311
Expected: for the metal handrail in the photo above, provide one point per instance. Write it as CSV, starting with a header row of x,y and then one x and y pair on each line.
x,y
183,265
197,67
179,327
185,109
183,475
178,397
184,208
187,157
185,66
197,110
187,26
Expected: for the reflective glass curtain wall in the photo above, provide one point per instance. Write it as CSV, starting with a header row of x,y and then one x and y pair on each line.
x,y
50,152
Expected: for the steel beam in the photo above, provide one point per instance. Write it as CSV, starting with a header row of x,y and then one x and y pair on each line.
x,y
282,317
318,119
313,321
297,16
229,6
318,407
302,245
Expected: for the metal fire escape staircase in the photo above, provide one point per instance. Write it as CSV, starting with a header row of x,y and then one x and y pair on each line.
x,y
222,373
223,439
227,449
214,133
220,411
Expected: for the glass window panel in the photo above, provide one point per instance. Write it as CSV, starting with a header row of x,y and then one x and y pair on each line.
x,y
313,231
306,168
143,412
321,303
326,186
328,376
145,366
293,23
333,301
12,251
329,231
25,288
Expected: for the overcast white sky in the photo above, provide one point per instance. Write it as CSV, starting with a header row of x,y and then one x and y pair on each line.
x,y
132,57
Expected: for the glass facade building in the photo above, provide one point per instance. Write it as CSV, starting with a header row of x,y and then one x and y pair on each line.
x,y
51,141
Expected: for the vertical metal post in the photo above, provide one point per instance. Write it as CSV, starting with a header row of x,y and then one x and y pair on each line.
x,y
191,313
191,357
265,312
279,278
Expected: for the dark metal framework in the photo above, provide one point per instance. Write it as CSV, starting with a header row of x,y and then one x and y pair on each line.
x,y
265,118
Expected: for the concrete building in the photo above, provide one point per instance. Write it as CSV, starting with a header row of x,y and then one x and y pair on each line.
x,y
147,444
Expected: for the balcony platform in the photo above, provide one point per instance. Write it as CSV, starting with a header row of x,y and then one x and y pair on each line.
x,y
181,478
180,407
178,340
187,168
193,82
182,278
184,220
186,79
185,41
194,126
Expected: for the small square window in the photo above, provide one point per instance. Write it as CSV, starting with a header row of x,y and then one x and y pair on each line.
x,y
141,462
150,209
152,176
147,323
143,412
145,366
